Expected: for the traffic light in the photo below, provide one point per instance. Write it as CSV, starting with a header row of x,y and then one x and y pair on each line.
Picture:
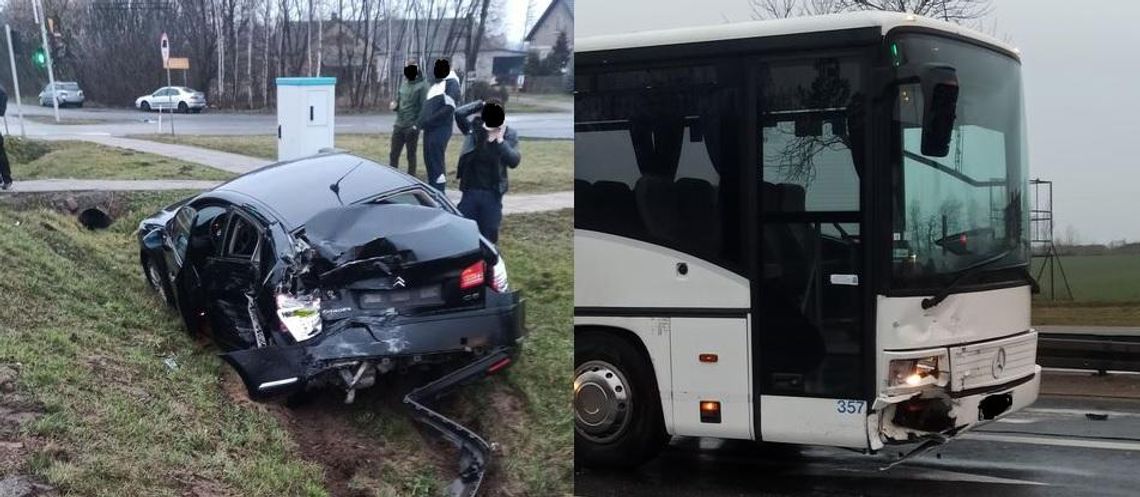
x,y
39,58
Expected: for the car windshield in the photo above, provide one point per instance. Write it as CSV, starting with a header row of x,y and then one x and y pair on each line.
x,y
68,86
954,211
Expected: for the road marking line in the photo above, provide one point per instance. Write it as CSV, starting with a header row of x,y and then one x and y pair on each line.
x,y
1056,442
1078,413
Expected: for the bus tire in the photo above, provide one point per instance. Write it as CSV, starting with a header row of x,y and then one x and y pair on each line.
x,y
640,433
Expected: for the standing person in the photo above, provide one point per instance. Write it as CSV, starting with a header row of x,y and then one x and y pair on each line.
x,y
5,169
435,119
489,149
406,131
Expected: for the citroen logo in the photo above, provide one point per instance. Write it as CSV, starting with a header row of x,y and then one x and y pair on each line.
x,y
998,366
399,282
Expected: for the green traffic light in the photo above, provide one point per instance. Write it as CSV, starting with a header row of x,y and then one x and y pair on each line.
x,y
39,58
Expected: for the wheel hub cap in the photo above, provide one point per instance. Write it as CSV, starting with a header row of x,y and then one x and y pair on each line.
x,y
602,403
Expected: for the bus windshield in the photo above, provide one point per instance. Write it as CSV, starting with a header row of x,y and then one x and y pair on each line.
x,y
952,212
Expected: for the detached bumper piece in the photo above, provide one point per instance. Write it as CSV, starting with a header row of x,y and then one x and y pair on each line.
x,y
474,451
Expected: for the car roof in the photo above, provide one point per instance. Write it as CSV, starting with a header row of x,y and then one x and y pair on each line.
x,y
885,21
294,191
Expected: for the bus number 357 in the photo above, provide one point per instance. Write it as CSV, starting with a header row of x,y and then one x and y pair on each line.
x,y
849,406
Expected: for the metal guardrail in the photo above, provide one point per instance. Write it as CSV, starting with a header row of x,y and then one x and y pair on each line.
x,y
1081,349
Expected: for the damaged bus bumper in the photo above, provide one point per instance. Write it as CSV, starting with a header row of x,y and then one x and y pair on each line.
x,y
367,344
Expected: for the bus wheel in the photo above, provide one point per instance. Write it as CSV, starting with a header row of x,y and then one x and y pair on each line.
x,y
617,409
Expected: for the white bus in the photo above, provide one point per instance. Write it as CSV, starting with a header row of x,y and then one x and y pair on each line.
x,y
808,231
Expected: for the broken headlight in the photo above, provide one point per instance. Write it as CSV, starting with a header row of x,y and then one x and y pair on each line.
x,y
300,315
918,372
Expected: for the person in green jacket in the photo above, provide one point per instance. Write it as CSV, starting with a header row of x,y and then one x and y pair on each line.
x,y
409,101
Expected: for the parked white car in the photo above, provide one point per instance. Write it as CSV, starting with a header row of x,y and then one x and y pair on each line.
x,y
66,92
178,98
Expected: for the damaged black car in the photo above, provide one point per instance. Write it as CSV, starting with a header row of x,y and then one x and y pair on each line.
x,y
330,271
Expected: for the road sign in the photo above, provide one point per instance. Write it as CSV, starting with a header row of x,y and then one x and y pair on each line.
x,y
165,44
178,63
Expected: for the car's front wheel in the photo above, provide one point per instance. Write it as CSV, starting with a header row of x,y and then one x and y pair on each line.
x,y
145,106
157,282
617,407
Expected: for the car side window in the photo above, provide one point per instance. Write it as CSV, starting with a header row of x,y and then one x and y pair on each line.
x,y
209,230
180,230
242,238
413,197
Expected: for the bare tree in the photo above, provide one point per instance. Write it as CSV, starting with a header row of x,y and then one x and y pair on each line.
x,y
957,11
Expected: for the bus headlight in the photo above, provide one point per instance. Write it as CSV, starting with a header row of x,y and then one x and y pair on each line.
x,y
908,374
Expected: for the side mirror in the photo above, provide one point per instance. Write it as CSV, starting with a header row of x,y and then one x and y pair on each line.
x,y
153,240
940,94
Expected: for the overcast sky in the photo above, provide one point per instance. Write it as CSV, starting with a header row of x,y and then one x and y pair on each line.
x,y
1082,85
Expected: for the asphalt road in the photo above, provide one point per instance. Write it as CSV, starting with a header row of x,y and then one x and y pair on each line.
x,y
1050,448
118,122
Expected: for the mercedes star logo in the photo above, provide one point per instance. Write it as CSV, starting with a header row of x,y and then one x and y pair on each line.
x,y
400,283
998,366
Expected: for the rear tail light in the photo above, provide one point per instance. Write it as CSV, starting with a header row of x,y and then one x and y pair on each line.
x,y
472,276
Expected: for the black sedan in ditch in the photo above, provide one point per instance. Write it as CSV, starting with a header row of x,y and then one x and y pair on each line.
x,y
331,270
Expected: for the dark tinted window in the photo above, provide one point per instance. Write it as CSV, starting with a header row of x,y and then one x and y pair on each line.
x,y
242,238
657,156
208,231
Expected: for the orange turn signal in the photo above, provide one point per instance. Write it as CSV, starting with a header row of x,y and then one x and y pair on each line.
x,y
710,411
708,357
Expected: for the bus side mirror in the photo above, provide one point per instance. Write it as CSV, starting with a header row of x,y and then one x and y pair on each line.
x,y
940,93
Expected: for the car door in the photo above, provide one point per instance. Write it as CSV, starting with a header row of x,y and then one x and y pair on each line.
x,y
231,284
160,99
191,236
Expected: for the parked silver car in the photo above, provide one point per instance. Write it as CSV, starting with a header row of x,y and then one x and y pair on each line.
x,y
66,93
173,97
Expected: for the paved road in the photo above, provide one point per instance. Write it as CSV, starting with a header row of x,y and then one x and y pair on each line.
x,y
1050,448
96,121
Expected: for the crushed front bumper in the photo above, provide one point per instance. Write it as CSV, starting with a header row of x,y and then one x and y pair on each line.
x,y
939,418
277,370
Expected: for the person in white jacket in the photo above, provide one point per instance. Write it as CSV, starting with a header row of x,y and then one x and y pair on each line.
x,y
436,119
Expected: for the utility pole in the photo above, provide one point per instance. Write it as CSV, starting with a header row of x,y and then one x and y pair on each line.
x,y
40,15
15,80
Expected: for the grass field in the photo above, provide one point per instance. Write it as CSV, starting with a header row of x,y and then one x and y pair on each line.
x,y
36,159
1106,291
89,340
547,165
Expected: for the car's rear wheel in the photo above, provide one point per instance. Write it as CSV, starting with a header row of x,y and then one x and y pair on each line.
x,y
617,407
157,282
145,106
183,108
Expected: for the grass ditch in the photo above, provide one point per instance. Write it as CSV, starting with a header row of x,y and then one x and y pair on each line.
x,y
90,340
38,159
547,165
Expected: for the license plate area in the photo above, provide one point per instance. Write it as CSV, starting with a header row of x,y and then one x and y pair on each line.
x,y
430,295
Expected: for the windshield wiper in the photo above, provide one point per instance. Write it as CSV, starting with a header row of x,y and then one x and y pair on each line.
x,y
963,275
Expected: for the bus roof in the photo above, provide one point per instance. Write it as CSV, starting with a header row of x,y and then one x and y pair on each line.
x,y
886,21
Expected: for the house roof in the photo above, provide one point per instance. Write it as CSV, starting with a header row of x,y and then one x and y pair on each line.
x,y
568,4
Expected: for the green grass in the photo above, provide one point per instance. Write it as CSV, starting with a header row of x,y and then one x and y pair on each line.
x,y
1106,291
547,165
82,160
91,336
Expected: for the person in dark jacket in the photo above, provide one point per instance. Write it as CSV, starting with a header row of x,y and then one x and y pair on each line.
x,y
406,132
5,168
490,148
435,119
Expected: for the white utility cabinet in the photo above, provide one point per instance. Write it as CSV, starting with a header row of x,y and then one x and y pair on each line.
x,y
305,116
